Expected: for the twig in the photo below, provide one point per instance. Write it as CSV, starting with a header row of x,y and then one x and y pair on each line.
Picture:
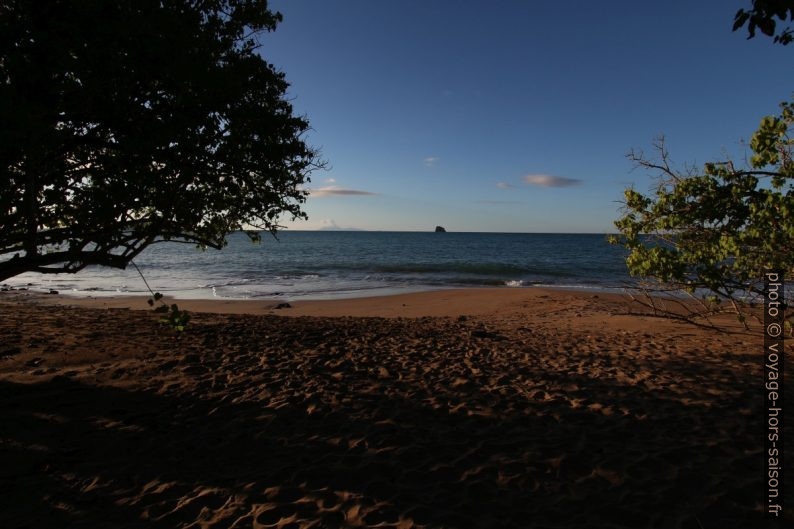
x,y
144,279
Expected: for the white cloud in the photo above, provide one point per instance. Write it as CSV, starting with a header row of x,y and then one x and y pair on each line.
x,y
338,191
430,161
544,180
329,181
503,185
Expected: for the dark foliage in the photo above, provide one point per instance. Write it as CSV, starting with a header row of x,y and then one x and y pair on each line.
x,y
129,123
762,16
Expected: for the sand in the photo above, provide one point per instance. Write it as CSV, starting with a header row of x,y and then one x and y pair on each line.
x,y
489,408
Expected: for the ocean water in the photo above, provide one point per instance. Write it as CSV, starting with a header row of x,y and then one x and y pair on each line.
x,y
333,264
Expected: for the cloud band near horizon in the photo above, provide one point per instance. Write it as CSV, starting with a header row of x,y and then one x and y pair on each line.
x,y
544,180
338,191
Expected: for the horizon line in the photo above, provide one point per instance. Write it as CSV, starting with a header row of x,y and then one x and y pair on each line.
x,y
357,230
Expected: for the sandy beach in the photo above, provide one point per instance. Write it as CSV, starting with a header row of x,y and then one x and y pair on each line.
x,y
487,408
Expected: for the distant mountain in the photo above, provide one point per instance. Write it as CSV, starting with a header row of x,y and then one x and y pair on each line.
x,y
331,225
337,228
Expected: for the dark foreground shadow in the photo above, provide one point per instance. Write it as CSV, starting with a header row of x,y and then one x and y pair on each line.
x,y
76,455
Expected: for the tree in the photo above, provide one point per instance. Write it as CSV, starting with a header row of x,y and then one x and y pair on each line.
x,y
712,234
129,123
762,16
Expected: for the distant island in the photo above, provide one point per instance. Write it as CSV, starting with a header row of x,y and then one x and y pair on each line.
x,y
440,229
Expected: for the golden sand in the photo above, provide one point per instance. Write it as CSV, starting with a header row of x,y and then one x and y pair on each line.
x,y
515,408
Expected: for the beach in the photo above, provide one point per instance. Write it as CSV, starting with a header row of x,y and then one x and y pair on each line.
x,y
457,408
396,265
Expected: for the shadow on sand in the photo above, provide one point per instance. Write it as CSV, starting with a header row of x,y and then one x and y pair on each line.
x,y
77,455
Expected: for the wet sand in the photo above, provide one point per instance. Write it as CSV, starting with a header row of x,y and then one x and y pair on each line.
x,y
490,408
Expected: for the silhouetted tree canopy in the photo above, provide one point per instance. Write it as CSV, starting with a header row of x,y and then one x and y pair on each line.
x,y
128,123
762,16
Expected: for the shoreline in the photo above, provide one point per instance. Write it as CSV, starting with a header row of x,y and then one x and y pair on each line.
x,y
543,307
442,302
205,294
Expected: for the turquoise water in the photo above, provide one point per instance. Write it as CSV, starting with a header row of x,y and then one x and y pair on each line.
x,y
330,264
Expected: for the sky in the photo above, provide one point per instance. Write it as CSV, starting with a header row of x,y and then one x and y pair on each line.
x,y
513,116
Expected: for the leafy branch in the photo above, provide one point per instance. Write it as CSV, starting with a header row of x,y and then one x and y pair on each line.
x,y
172,316
709,235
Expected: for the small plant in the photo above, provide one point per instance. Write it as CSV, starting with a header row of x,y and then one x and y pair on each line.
x,y
172,316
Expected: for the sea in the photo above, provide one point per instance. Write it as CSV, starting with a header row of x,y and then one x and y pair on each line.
x,y
342,264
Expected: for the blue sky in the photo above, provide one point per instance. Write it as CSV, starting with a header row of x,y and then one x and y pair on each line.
x,y
513,116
